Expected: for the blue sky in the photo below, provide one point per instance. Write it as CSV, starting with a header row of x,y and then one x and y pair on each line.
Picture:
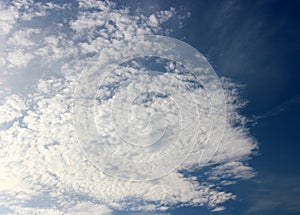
x,y
256,44
253,46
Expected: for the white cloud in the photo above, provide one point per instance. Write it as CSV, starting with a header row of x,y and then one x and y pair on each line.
x,y
22,38
12,108
40,157
8,18
153,20
36,211
18,58
236,170
217,209
89,209
90,4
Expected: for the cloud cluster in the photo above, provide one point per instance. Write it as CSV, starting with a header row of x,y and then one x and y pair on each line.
x,y
44,47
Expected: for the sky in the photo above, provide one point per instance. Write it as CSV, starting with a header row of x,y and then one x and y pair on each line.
x,y
242,159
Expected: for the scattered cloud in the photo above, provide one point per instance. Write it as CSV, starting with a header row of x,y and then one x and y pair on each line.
x,y
42,169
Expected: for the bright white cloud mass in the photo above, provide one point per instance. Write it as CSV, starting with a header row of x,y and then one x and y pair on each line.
x,y
43,48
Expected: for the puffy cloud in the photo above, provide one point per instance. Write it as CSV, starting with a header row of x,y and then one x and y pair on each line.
x,y
42,168
87,208
8,18
12,108
22,38
153,20
18,58
236,170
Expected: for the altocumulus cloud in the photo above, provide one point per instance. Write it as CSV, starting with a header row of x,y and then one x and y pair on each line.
x,y
44,47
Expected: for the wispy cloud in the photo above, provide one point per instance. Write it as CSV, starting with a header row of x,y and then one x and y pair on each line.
x,y
278,109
